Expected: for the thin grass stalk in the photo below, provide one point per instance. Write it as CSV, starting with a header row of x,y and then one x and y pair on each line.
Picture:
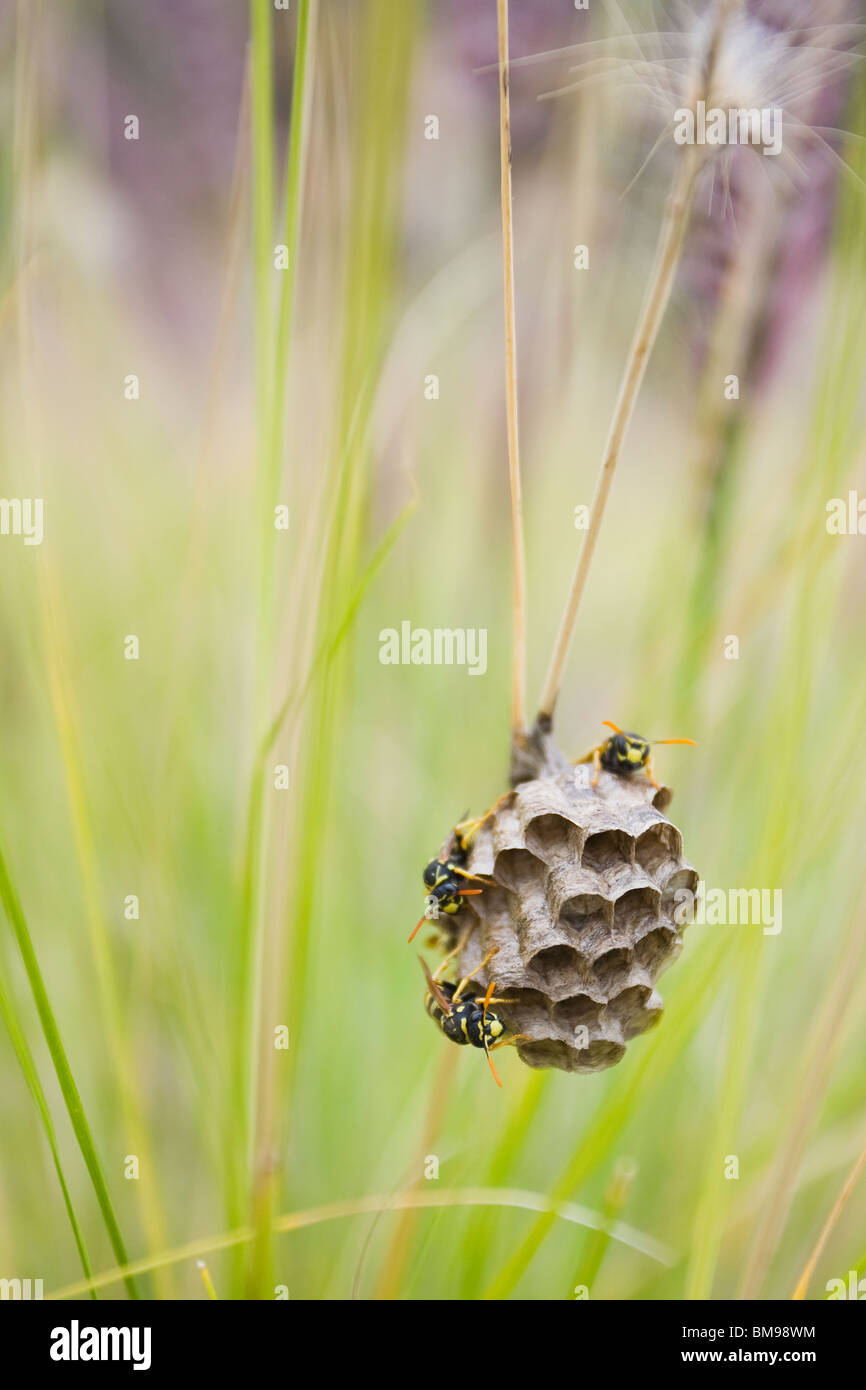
x,y
833,443
172,721
71,1096
802,1285
34,1085
249,946
206,1279
270,949
117,1031
50,596
303,83
722,428
515,1131
659,1056
667,259
707,1227
332,641
262,137
661,283
772,856
788,714
814,1071
516,1199
772,862
232,267
371,235
598,1243
518,677
393,1266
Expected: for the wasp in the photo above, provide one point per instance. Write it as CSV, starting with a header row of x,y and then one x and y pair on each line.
x,y
467,1018
624,753
445,878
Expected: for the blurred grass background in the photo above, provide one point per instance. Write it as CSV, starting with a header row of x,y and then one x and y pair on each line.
x,y
262,907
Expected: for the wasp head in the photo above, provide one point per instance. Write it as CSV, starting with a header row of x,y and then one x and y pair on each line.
x,y
433,872
625,752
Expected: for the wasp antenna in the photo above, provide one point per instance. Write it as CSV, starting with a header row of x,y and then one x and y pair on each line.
x,y
492,1068
675,740
487,998
417,929
611,726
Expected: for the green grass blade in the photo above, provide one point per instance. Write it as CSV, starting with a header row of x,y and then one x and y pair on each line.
x,y
296,164
34,1085
518,1199
71,1095
660,1054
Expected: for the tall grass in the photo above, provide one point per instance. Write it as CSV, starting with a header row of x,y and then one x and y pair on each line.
x,y
261,907
71,1095
31,1076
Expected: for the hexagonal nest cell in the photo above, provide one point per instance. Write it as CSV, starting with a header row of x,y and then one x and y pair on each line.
x,y
581,914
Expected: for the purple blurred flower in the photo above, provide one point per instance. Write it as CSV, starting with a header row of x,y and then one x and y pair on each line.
x,y
820,72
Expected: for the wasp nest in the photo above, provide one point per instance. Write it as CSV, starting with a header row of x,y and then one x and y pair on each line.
x,y
581,914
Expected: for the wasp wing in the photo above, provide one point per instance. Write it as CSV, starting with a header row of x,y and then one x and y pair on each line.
x,y
444,1004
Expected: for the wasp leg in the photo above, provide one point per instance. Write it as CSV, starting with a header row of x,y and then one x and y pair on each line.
x,y
471,830
510,1042
465,874
468,829
473,826
648,768
466,978
596,767
451,954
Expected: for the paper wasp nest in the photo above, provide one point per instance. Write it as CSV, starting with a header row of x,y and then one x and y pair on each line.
x,y
581,911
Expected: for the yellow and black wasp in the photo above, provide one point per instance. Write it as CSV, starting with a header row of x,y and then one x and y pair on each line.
x,y
467,1018
624,753
445,877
